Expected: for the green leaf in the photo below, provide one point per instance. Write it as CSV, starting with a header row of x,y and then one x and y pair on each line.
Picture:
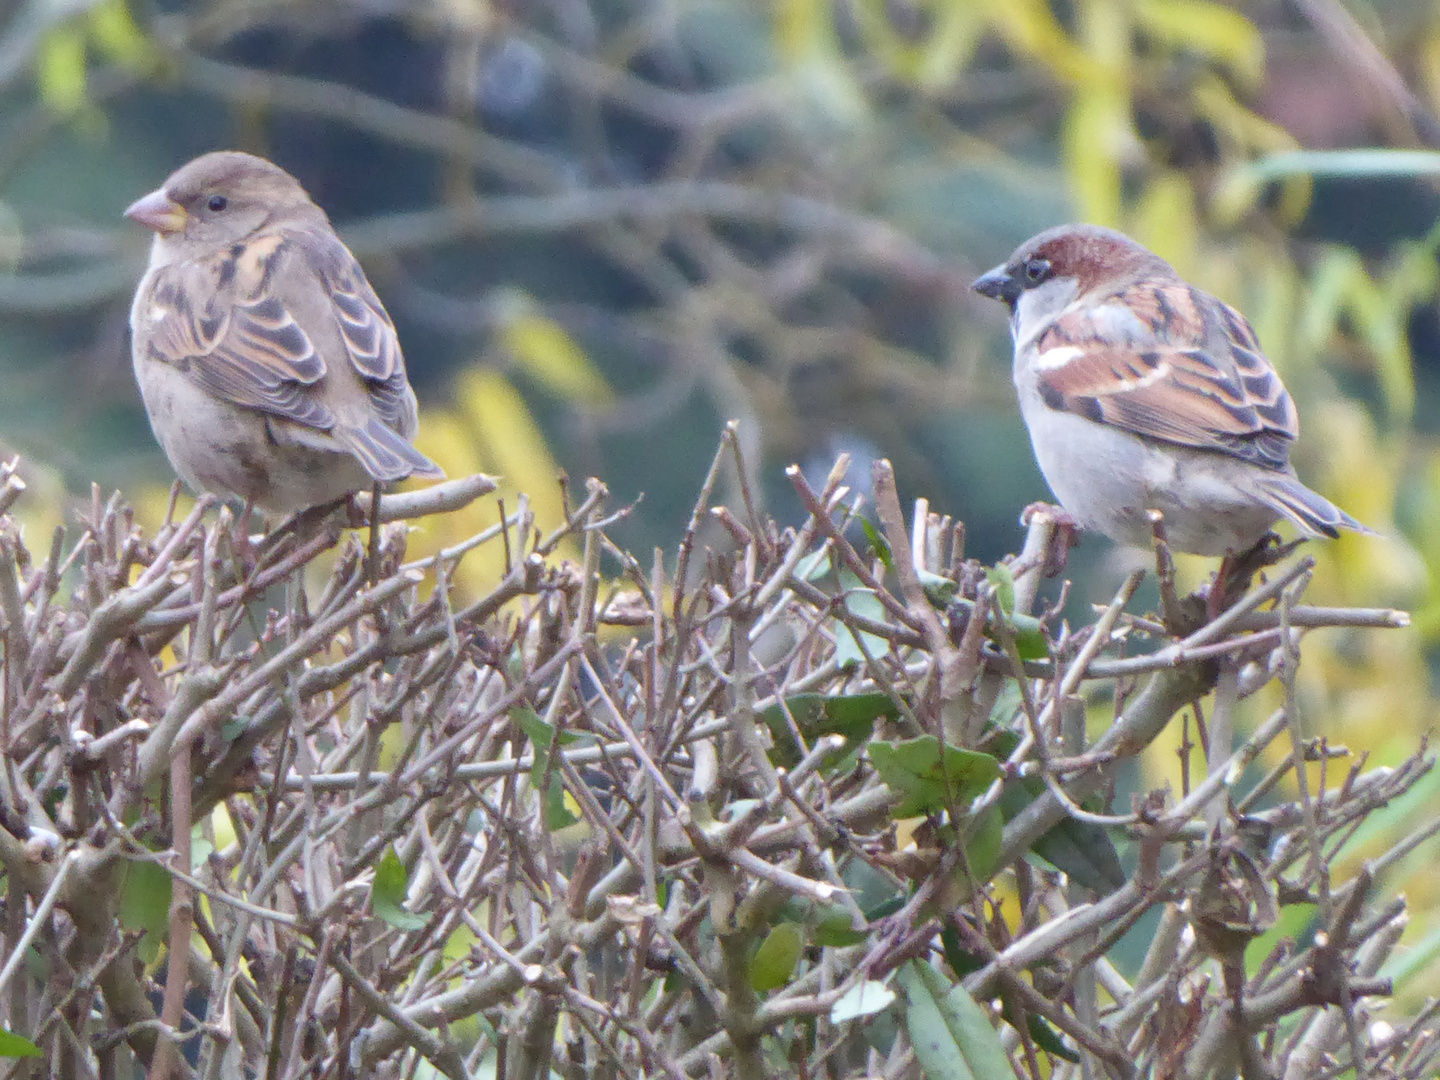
x,y
863,602
1030,640
1239,187
557,815
1027,630
814,566
1343,164
879,543
967,1025
554,812
930,778
145,905
861,1000
939,590
835,928
999,575
536,730
935,1046
1296,922
850,715
854,715
16,1046
540,734
1045,1036
387,893
963,963
1082,849
982,855
885,907
775,959
200,849
982,849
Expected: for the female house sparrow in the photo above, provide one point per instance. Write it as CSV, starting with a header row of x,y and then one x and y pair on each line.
x,y
268,366
1143,393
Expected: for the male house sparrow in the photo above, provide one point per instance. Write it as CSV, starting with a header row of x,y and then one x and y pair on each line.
x,y
268,366
1143,393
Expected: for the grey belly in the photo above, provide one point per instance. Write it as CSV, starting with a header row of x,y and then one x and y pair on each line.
x,y
1108,479
227,449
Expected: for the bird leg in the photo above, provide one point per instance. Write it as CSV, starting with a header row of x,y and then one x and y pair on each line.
x,y
1238,569
372,549
240,538
1176,619
302,524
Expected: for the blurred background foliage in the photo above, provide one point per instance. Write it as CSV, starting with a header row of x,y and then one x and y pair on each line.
x,y
604,227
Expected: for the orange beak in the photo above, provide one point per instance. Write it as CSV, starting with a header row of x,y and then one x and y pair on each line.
x,y
159,212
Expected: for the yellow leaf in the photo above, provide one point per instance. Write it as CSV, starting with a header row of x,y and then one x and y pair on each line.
x,y
932,61
501,422
1207,28
1097,137
60,68
1235,195
115,33
805,38
951,45
543,350
1031,29
512,447
1427,63
1251,133
1164,220
223,826
803,30
1330,284
1270,302
446,440
152,500
1383,329
1340,285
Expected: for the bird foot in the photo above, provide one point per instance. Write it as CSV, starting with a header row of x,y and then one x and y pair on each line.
x,y
242,544
1238,569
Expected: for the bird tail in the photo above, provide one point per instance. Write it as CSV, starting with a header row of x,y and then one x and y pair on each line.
x,y
386,454
1313,514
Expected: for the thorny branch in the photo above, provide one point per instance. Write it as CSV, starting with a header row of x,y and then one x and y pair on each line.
x,y
572,822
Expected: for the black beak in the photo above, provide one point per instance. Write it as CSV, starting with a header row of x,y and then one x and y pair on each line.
x,y
998,284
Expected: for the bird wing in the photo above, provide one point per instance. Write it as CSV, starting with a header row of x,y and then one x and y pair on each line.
x,y
1190,372
369,335
216,320
223,320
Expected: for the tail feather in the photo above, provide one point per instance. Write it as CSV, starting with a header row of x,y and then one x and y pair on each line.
x,y
386,454
1313,514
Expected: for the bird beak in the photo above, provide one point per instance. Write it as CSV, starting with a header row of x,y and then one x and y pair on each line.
x,y
998,284
159,212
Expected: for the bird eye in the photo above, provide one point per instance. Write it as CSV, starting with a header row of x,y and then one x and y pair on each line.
x,y
217,203
1036,271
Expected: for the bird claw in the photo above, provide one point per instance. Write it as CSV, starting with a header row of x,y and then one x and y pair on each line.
x,y
1238,569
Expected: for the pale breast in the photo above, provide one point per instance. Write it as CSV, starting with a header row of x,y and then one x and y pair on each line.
x,y
1108,479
